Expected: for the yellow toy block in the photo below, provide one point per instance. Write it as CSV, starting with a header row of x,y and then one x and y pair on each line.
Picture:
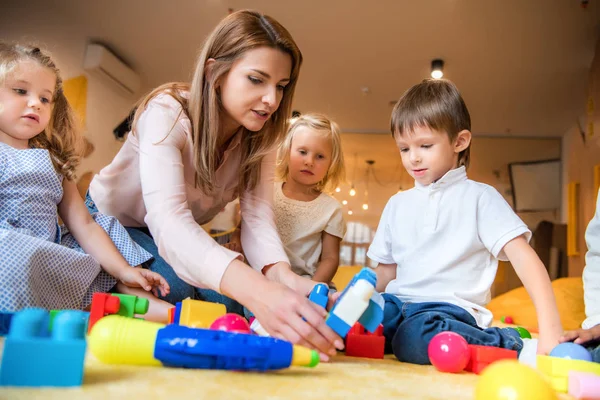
x,y
200,314
557,370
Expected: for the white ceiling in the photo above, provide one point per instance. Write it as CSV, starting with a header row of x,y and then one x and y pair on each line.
x,y
522,65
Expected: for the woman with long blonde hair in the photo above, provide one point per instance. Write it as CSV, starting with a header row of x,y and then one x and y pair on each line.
x,y
195,147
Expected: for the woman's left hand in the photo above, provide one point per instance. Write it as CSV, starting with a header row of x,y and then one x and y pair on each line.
x,y
282,273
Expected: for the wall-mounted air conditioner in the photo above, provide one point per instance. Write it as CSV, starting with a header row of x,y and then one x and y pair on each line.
x,y
99,61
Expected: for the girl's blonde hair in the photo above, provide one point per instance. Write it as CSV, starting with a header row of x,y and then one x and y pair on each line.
x,y
61,137
336,173
236,34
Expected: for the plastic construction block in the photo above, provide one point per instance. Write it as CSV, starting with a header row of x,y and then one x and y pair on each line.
x,y
482,356
177,314
320,295
171,313
102,304
361,343
132,305
200,314
358,303
34,356
5,320
558,369
583,385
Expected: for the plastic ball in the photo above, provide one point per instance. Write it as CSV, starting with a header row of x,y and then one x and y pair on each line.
x,y
511,380
231,323
448,352
524,333
507,320
571,351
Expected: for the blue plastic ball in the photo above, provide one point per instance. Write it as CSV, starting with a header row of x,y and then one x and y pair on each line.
x,y
571,351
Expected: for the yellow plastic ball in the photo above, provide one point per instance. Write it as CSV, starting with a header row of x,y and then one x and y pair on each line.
x,y
511,380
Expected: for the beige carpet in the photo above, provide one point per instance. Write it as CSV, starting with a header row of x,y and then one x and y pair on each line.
x,y
344,378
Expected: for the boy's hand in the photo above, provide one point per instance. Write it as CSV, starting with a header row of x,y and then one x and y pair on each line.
x,y
581,336
146,279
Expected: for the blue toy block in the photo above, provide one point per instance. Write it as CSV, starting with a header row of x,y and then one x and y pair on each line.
x,y
371,316
5,319
34,356
320,294
177,313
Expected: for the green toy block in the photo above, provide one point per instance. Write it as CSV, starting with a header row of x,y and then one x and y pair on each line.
x,y
131,305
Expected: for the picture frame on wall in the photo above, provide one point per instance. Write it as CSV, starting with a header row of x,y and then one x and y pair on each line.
x,y
536,185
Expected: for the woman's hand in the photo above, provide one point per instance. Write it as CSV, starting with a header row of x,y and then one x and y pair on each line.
x,y
283,312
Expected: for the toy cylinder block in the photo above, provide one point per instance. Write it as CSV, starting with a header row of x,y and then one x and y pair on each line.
x,y
112,304
30,323
69,325
141,305
584,385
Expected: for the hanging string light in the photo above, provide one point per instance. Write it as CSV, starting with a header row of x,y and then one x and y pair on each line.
x,y
352,190
370,163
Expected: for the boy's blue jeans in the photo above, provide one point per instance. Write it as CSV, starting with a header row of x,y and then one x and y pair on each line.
x,y
409,327
179,289
594,350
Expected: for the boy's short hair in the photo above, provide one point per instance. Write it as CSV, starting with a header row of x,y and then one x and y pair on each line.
x,y
436,104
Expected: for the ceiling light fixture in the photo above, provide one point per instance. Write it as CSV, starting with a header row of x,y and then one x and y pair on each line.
x,y
437,68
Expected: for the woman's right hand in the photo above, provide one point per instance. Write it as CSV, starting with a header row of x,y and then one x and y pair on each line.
x,y
288,315
283,312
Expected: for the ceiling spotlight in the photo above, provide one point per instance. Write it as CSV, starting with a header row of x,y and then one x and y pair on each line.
x,y
344,202
437,68
365,206
338,189
352,191
350,212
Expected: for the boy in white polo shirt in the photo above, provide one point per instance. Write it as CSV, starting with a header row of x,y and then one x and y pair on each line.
x,y
438,244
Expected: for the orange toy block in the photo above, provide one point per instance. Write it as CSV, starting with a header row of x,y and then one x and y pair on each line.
x,y
171,314
482,356
361,343
200,314
102,304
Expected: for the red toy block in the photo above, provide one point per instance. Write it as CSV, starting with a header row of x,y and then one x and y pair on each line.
x,y
360,343
102,304
171,314
482,356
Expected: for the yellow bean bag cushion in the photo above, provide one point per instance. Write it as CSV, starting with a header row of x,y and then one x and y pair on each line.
x,y
518,305
344,275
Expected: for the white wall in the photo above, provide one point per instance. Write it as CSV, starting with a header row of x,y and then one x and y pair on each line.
x,y
46,26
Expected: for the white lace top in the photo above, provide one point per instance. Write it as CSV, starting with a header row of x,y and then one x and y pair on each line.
x,y
301,225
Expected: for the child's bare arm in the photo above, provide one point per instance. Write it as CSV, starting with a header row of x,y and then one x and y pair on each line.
x,y
96,242
534,276
330,258
385,274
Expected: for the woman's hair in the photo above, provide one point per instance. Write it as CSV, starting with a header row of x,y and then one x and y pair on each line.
x,y
61,137
320,124
238,33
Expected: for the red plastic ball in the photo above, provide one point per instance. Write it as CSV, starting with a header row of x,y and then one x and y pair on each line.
x,y
231,323
448,352
509,320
